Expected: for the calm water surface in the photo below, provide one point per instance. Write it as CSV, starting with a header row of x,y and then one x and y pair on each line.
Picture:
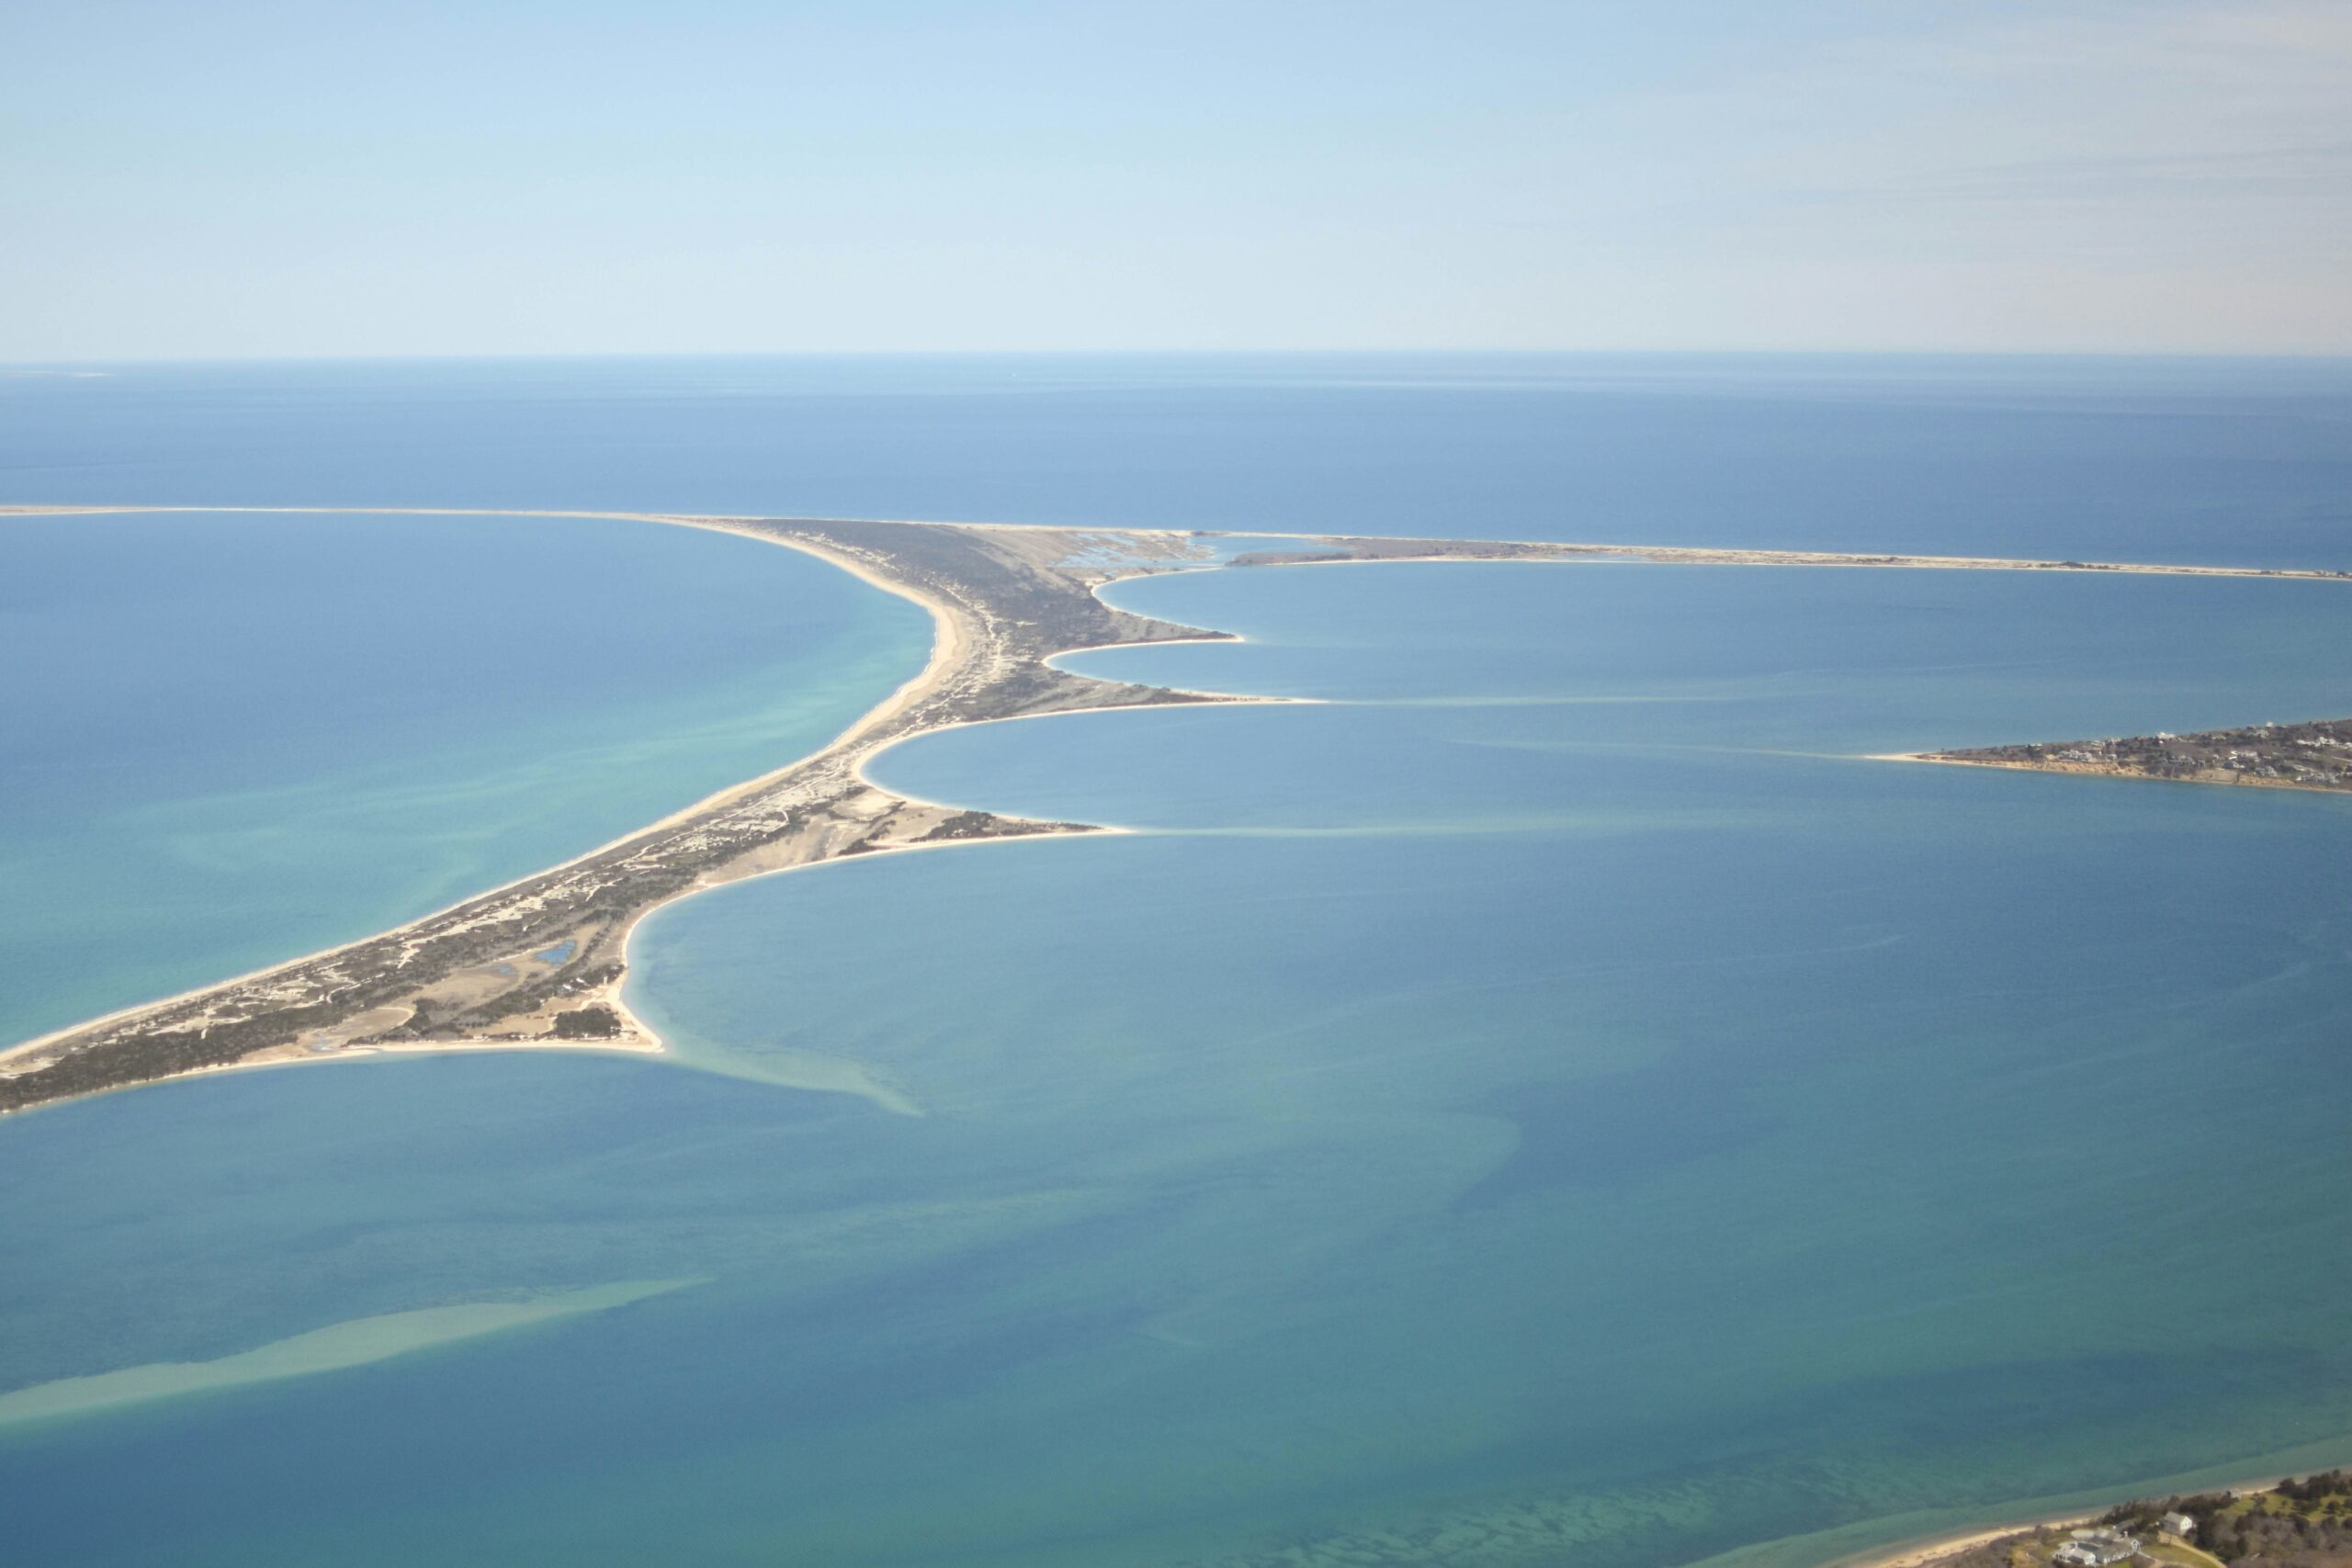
x,y
2237,461
1548,1101
227,740
1471,1108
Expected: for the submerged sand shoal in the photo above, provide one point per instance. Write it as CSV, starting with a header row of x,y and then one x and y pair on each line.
x,y
1005,599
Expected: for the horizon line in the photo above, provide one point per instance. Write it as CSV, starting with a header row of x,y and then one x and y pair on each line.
x,y
2326,356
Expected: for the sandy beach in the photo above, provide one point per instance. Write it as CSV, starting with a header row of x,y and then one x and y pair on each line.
x,y
947,639
2083,771
987,663
1007,601
1363,549
1921,1554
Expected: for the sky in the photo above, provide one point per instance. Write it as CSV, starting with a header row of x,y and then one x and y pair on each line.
x,y
227,180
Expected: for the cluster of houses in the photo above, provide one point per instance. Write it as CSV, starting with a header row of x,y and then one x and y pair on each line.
x,y
2251,761
2268,751
2098,1547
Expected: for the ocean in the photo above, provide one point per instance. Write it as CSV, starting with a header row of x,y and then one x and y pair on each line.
x,y
2233,462
1551,1099
231,740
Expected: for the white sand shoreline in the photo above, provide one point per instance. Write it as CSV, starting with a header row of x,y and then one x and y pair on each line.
x,y
638,1038
944,643
2079,773
1663,554
1921,1553
948,646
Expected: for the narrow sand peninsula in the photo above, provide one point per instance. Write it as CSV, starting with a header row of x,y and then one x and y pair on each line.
x,y
1945,760
539,963
2313,754
1005,599
1314,550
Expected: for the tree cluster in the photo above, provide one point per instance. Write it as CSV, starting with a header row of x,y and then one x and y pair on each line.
x,y
598,1022
2306,1523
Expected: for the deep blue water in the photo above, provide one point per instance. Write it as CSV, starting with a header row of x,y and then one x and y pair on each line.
x,y
1552,1100
2235,461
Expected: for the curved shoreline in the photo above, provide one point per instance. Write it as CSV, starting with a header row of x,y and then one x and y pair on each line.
x,y
907,691
2063,771
985,666
1922,1552
1919,1553
1364,548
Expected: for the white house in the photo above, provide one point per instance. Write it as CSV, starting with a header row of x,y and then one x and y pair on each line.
x,y
2095,1549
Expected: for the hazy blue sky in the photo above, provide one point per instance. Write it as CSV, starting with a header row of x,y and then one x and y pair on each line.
x,y
227,179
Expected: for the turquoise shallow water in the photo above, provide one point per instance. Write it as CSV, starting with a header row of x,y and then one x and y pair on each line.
x,y
228,740
1550,1102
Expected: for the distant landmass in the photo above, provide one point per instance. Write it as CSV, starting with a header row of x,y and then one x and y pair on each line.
x,y
542,962
2313,755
